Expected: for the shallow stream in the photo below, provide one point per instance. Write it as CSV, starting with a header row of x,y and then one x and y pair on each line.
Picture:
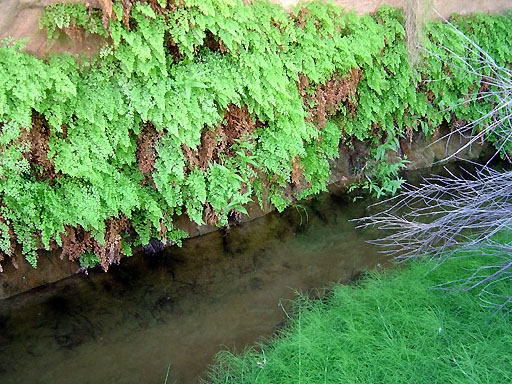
x,y
222,290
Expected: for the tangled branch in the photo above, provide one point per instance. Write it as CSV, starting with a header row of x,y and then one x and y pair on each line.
x,y
496,86
452,216
445,213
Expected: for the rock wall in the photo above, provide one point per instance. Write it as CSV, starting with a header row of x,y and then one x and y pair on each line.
x,y
445,8
20,18
420,152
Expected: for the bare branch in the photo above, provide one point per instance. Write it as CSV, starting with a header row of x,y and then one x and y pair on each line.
x,y
477,62
451,217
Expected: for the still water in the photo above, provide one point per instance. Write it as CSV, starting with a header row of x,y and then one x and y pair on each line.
x,y
222,290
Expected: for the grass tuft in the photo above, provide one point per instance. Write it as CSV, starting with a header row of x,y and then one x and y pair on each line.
x,y
390,328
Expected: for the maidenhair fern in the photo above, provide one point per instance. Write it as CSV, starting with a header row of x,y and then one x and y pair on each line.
x,y
72,15
84,144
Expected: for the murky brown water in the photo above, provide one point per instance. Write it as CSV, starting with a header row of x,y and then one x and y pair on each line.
x,y
222,290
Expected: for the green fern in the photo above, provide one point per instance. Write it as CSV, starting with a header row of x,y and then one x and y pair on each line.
x,y
160,72
67,15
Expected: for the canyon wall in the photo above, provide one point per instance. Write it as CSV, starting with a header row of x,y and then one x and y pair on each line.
x,y
20,18
420,152
445,8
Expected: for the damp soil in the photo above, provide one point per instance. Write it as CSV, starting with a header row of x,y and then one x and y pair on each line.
x,y
227,289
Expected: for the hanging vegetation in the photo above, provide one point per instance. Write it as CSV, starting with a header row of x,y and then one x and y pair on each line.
x,y
200,107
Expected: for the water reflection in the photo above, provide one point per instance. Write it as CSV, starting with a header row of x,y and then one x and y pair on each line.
x,y
181,307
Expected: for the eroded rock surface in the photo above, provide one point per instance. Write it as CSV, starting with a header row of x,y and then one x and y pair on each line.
x,y
19,19
445,8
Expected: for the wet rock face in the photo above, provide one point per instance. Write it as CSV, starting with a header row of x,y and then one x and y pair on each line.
x,y
445,8
20,19
8,13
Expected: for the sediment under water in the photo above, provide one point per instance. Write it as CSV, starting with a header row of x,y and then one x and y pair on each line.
x,y
223,290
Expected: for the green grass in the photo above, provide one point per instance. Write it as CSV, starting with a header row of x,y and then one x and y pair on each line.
x,y
391,328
